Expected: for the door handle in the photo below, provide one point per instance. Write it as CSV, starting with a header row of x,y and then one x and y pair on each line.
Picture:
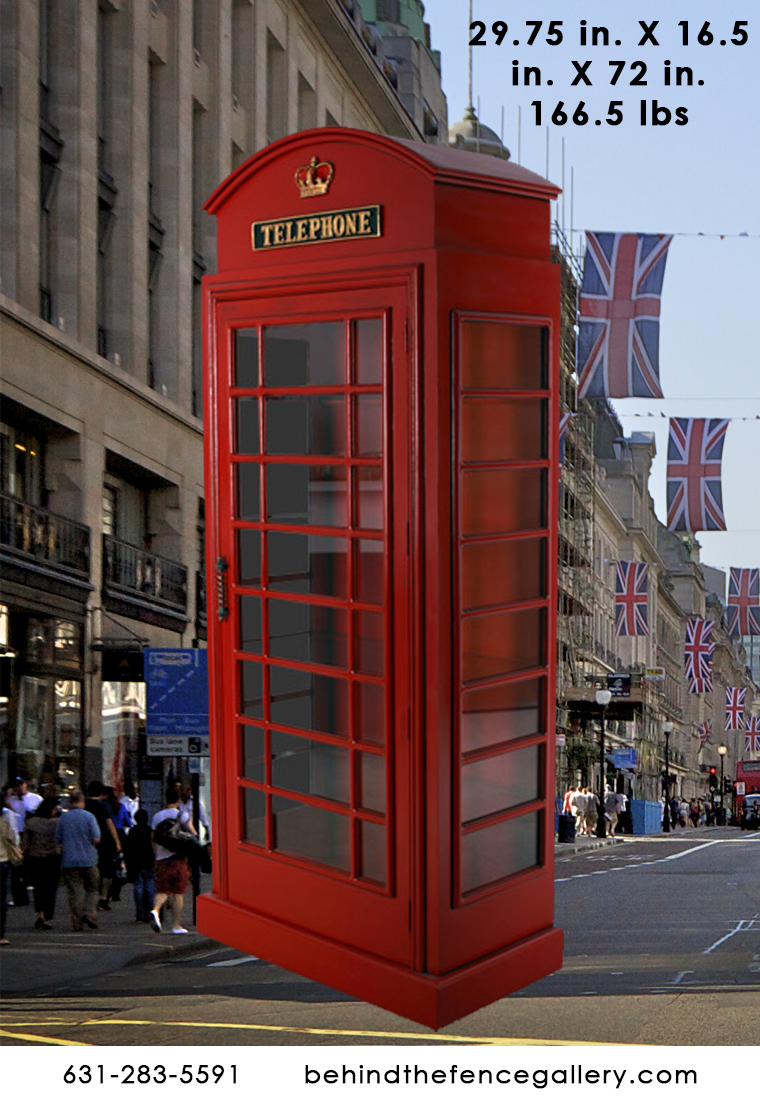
x,y
222,610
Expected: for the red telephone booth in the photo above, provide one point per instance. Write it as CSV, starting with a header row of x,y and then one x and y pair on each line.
x,y
381,419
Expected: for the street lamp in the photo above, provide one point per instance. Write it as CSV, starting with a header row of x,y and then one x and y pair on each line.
x,y
667,728
603,697
722,753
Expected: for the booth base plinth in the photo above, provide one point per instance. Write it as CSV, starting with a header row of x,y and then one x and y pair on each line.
x,y
434,1001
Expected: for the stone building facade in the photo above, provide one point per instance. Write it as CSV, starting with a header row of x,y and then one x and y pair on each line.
x,y
118,120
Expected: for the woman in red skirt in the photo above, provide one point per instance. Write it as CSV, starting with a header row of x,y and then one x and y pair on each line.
x,y
172,871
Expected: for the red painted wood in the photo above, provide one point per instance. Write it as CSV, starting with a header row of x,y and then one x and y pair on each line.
x,y
464,239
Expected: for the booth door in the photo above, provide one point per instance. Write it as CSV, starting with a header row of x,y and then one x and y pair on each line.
x,y
313,699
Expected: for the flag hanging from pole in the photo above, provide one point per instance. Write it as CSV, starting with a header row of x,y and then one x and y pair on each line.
x,y
564,420
619,320
743,612
631,598
695,500
752,735
735,709
705,730
697,654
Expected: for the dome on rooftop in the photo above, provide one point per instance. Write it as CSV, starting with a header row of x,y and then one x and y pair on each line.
x,y
471,135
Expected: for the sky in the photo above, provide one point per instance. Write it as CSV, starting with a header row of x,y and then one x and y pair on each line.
x,y
701,177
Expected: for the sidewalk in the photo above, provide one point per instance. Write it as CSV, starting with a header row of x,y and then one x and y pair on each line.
x,y
40,962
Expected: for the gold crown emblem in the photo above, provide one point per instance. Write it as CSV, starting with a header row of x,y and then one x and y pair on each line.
x,y
314,178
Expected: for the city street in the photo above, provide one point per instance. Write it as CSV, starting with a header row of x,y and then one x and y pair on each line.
x,y
662,946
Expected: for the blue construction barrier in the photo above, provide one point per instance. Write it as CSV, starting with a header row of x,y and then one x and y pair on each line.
x,y
646,816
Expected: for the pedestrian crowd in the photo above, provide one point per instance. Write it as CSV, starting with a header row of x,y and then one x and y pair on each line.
x,y
684,814
582,804
95,844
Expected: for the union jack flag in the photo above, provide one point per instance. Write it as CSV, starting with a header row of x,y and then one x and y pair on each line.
x,y
697,654
705,730
564,420
694,458
735,708
752,734
743,614
631,598
619,328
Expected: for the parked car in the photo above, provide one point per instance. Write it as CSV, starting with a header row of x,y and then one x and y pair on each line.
x,y
750,817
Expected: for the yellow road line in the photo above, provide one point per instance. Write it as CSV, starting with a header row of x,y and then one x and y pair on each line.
x,y
326,1031
43,1038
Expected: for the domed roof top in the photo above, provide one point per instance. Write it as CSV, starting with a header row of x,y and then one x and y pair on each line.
x,y
472,136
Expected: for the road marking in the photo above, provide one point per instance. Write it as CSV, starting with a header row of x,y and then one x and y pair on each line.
x,y
744,925
326,1032
680,976
647,863
42,1038
232,963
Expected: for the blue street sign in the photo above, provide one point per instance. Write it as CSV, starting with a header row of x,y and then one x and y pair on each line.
x,y
624,758
176,684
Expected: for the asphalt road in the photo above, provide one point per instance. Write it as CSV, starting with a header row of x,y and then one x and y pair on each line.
x,y
662,946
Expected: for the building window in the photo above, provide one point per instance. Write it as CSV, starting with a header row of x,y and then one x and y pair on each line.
x,y
110,511
21,465
277,89
307,104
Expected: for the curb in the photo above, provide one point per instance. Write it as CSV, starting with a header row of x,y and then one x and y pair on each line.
x,y
588,845
174,949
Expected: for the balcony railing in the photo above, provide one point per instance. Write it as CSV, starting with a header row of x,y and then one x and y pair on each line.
x,y
47,538
143,575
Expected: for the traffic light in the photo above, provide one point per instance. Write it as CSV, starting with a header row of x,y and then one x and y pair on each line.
x,y
713,779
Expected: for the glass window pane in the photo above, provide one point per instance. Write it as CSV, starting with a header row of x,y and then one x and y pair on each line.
x,y
369,351
502,501
307,565
251,689
254,816
301,494
501,713
491,785
368,425
497,355
370,713
66,643
307,766
502,849
309,701
250,624
372,851
247,491
369,572
305,354
253,748
247,426
498,429
369,643
305,425
308,632
315,834
249,556
496,572
368,497
496,644
246,359
371,782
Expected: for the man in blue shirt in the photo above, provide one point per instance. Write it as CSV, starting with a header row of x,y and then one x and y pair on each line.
x,y
78,833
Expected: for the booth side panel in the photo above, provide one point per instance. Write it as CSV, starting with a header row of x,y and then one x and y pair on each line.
x,y
493,777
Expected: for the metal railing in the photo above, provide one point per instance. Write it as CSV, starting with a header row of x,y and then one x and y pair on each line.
x,y
133,571
37,534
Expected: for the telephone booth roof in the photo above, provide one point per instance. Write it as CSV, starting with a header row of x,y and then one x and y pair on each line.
x,y
425,191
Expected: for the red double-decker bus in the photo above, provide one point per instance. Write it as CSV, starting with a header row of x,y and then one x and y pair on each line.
x,y
747,782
